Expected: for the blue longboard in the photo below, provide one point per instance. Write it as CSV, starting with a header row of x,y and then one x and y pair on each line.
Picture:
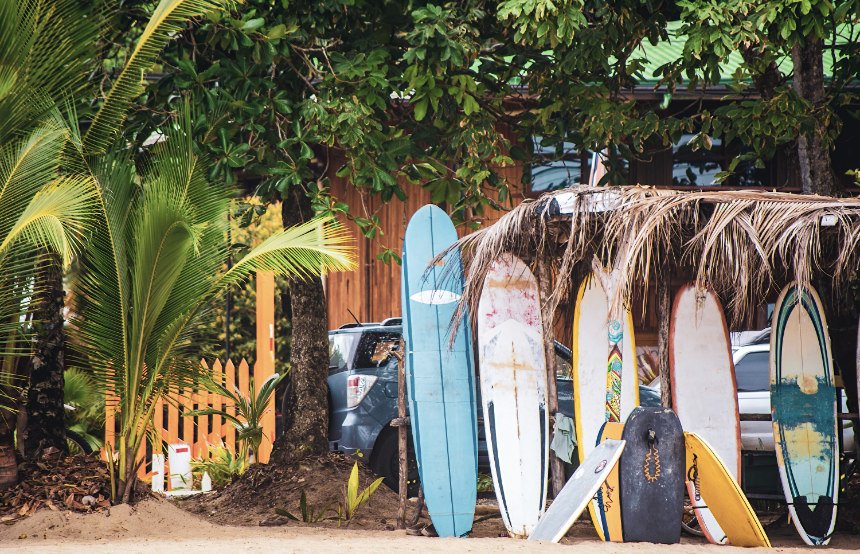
x,y
440,377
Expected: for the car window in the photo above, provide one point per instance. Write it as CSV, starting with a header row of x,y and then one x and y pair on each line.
x,y
340,348
752,372
374,350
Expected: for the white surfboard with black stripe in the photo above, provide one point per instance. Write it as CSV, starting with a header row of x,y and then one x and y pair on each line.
x,y
513,391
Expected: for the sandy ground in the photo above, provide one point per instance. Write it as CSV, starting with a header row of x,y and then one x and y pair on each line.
x,y
159,526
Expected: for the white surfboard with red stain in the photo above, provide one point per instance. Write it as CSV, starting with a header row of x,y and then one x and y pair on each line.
x,y
513,392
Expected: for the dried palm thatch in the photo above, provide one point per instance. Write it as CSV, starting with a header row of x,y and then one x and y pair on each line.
x,y
740,243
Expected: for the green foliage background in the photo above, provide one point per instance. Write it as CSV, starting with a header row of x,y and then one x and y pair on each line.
x,y
252,222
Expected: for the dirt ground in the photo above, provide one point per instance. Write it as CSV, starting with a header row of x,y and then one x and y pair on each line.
x,y
248,516
161,526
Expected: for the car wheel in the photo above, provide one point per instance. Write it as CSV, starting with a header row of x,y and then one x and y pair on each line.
x,y
386,462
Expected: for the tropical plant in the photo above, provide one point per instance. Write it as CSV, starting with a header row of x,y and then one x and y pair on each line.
x,y
308,512
48,53
221,465
353,499
85,408
151,270
44,215
246,412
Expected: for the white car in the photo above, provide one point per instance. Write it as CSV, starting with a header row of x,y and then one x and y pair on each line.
x,y
752,372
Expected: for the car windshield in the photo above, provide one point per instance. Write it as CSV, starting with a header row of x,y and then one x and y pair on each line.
x,y
340,348
752,372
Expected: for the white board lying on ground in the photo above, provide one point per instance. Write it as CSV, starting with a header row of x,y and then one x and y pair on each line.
x,y
513,392
578,491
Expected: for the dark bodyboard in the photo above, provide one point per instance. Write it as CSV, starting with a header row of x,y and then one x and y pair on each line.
x,y
651,476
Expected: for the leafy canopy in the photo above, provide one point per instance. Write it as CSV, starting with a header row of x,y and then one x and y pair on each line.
x,y
445,95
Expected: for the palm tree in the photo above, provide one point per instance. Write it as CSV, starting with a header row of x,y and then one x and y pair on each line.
x,y
43,211
48,51
151,268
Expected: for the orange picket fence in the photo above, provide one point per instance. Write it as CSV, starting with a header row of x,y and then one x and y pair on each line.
x,y
199,432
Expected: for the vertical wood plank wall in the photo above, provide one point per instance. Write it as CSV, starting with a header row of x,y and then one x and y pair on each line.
x,y
372,291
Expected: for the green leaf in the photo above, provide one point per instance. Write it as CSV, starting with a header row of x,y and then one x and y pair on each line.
x,y
253,24
421,109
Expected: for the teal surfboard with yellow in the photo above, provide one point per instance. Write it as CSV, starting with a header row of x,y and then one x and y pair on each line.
x,y
440,374
803,402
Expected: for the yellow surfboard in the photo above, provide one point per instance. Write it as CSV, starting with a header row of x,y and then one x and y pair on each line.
x,y
721,496
609,521
592,358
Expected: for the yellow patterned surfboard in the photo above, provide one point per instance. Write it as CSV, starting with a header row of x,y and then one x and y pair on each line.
x,y
601,356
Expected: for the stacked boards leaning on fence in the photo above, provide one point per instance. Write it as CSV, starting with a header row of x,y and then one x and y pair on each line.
x,y
578,491
803,402
513,392
729,517
605,375
440,374
651,476
700,362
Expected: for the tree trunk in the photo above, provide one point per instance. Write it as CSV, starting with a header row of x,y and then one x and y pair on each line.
x,y
8,459
306,409
46,426
813,155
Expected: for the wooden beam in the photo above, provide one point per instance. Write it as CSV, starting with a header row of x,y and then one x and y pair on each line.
x,y
556,466
664,312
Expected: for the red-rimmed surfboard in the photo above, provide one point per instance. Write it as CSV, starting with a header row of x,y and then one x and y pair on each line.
x,y
513,392
700,361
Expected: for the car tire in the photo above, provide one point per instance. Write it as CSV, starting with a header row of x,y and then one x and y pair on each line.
x,y
385,462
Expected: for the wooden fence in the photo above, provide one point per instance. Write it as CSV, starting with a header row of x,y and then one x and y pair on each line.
x,y
201,431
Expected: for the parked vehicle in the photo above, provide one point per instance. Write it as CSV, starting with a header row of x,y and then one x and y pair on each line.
x,y
363,396
752,372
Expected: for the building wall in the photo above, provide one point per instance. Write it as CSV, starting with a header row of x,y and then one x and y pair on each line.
x,y
372,291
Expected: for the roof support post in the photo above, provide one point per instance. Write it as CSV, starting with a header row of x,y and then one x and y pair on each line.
x,y
556,467
664,313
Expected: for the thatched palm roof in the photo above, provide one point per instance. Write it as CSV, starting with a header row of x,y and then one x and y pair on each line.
x,y
740,243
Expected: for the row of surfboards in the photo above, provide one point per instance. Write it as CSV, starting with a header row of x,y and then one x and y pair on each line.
x,y
632,475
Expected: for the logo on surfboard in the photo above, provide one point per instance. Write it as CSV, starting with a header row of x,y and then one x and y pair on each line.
x,y
435,297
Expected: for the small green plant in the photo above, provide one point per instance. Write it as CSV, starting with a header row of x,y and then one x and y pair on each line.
x,y
352,498
222,466
309,513
85,408
249,410
485,483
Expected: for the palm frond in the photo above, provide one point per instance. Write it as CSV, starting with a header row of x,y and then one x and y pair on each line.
x,y
47,49
55,219
740,243
168,19
312,248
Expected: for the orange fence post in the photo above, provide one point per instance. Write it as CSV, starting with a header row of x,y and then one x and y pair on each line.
x,y
187,422
110,421
172,418
215,401
263,371
230,434
264,366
